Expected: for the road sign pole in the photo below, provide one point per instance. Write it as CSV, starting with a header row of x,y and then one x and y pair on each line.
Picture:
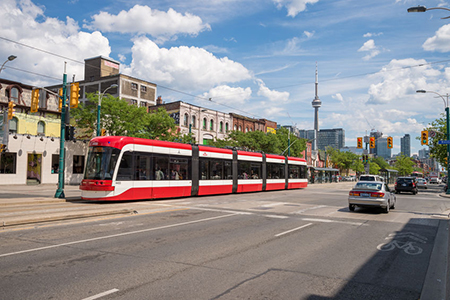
x,y
448,148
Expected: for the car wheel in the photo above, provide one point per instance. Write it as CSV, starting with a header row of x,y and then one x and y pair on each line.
x,y
351,207
393,204
386,210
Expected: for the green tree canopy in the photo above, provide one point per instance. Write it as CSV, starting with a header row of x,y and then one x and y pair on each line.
x,y
404,165
439,152
344,160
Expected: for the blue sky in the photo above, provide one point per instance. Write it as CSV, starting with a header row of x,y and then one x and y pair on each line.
x,y
253,57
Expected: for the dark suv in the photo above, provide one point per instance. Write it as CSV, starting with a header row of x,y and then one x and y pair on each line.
x,y
406,184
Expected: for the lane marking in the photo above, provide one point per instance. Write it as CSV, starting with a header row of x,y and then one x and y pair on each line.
x,y
309,208
101,294
289,231
117,235
334,221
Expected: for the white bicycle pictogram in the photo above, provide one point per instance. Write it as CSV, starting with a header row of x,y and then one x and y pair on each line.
x,y
408,247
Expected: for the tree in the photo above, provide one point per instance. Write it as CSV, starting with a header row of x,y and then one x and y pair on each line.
x,y
404,165
381,162
120,118
344,160
439,152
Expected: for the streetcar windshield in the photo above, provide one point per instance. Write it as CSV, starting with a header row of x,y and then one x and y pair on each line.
x,y
101,163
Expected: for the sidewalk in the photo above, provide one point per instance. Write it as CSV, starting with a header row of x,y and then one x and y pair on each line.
x,y
34,204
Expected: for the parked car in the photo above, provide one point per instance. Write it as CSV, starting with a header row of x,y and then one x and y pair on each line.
x,y
368,177
371,194
406,184
422,183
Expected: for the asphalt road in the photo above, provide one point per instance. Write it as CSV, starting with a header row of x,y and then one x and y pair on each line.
x,y
301,244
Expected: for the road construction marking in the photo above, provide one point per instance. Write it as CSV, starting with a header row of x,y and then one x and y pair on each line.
x,y
101,294
117,235
289,231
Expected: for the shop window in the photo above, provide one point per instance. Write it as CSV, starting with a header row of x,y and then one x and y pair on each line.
x,y
41,128
8,163
55,163
78,164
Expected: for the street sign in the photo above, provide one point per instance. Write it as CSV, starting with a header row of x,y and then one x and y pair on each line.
x,y
444,142
432,133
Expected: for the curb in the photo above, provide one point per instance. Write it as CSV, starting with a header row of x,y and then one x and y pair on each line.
x,y
435,284
66,217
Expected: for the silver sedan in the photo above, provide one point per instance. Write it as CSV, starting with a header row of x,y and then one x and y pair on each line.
x,y
371,194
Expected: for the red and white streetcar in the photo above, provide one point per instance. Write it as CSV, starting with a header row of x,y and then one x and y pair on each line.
x,y
125,168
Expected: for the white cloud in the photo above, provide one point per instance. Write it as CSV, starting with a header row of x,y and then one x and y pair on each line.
x,y
370,47
440,41
398,79
294,6
143,20
371,34
188,68
224,94
19,22
338,97
272,95
309,34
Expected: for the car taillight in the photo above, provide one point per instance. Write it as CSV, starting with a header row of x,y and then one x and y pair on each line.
x,y
354,193
413,184
377,195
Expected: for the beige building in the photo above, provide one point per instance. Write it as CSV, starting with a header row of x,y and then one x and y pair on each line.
x,y
203,124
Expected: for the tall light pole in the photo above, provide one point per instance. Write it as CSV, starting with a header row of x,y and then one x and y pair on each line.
x,y
100,96
448,132
424,9
10,58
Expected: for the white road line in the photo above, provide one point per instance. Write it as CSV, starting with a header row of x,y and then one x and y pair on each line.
x,y
101,294
309,208
334,221
116,235
286,232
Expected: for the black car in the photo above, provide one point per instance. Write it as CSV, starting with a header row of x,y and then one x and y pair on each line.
x,y
406,184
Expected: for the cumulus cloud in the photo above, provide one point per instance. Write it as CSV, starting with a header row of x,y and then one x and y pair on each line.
x,y
338,97
370,47
272,95
398,79
309,34
144,20
24,22
224,94
294,6
189,68
440,41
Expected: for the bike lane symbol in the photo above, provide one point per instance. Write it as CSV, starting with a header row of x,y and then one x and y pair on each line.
x,y
409,247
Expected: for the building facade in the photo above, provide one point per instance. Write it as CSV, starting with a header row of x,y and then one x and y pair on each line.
x,y
382,149
32,140
405,145
203,124
331,138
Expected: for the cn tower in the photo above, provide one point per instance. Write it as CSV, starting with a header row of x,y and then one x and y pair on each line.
x,y
316,103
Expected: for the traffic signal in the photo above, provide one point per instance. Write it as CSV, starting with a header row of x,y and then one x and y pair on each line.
x,y
34,100
60,99
69,133
365,158
424,137
103,132
390,142
372,142
11,109
359,143
74,94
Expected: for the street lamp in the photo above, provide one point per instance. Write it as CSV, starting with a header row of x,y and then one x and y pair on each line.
x,y
424,9
100,96
10,58
448,132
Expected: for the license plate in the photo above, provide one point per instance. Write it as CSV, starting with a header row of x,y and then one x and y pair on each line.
x,y
364,195
404,184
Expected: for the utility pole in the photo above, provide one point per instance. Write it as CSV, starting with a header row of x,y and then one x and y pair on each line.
x,y
60,191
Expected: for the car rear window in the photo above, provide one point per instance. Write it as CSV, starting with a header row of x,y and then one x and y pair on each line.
x,y
368,185
367,178
404,180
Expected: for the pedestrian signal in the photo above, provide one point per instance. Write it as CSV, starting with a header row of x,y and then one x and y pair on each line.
x,y
372,142
60,99
359,143
74,94
34,100
390,143
424,137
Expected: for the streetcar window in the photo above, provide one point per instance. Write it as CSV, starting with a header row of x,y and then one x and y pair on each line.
x,y
275,171
143,168
249,170
101,163
294,171
126,167
180,168
161,167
